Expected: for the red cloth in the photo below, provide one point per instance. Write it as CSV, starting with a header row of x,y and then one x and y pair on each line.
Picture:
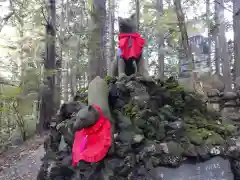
x,y
98,141
131,45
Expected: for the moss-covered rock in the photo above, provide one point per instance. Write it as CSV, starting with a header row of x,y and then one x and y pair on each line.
x,y
172,115
214,139
108,79
81,95
156,123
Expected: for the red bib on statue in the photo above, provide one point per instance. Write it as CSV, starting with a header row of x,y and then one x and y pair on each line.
x,y
92,144
131,45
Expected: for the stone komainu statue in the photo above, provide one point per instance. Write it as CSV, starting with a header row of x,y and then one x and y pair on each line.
x,y
130,46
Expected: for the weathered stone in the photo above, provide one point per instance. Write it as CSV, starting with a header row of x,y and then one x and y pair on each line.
x,y
229,96
213,93
213,106
191,84
62,145
86,117
98,94
138,138
214,139
230,103
174,148
234,116
189,150
215,82
214,100
156,125
216,168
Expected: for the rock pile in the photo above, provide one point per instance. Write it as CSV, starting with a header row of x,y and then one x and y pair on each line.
x,y
225,99
228,101
155,124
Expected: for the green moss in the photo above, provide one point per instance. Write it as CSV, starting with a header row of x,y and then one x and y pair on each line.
x,y
197,136
175,148
194,138
128,110
85,100
200,126
82,90
82,95
108,79
214,139
132,112
222,129
202,130
171,83
189,126
189,120
176,89
203,135
230,128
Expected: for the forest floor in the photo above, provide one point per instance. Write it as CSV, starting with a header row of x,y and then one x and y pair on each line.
x,y
22,162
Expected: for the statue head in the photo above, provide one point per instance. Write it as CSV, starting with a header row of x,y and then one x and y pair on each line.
x,y
127,25
86,117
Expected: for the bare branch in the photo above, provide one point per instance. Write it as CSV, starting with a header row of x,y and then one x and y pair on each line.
x,y
44,16
5,20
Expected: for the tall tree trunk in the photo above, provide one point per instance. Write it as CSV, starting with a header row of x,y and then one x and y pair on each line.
x,y
59,61
23,67
160,41
184,35
74,70
47,107
97,63
231,59
1,106
223,47
65,78
208,14
111,33
236,29
216,38
137,13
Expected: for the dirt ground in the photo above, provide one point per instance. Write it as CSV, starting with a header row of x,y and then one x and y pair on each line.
x,y
22,162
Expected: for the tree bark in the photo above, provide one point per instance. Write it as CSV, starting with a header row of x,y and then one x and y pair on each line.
x,y
111,33
47,108
236,29
208,14
184,35
97,62
59,61
137,13
223,47
216,38
160,41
